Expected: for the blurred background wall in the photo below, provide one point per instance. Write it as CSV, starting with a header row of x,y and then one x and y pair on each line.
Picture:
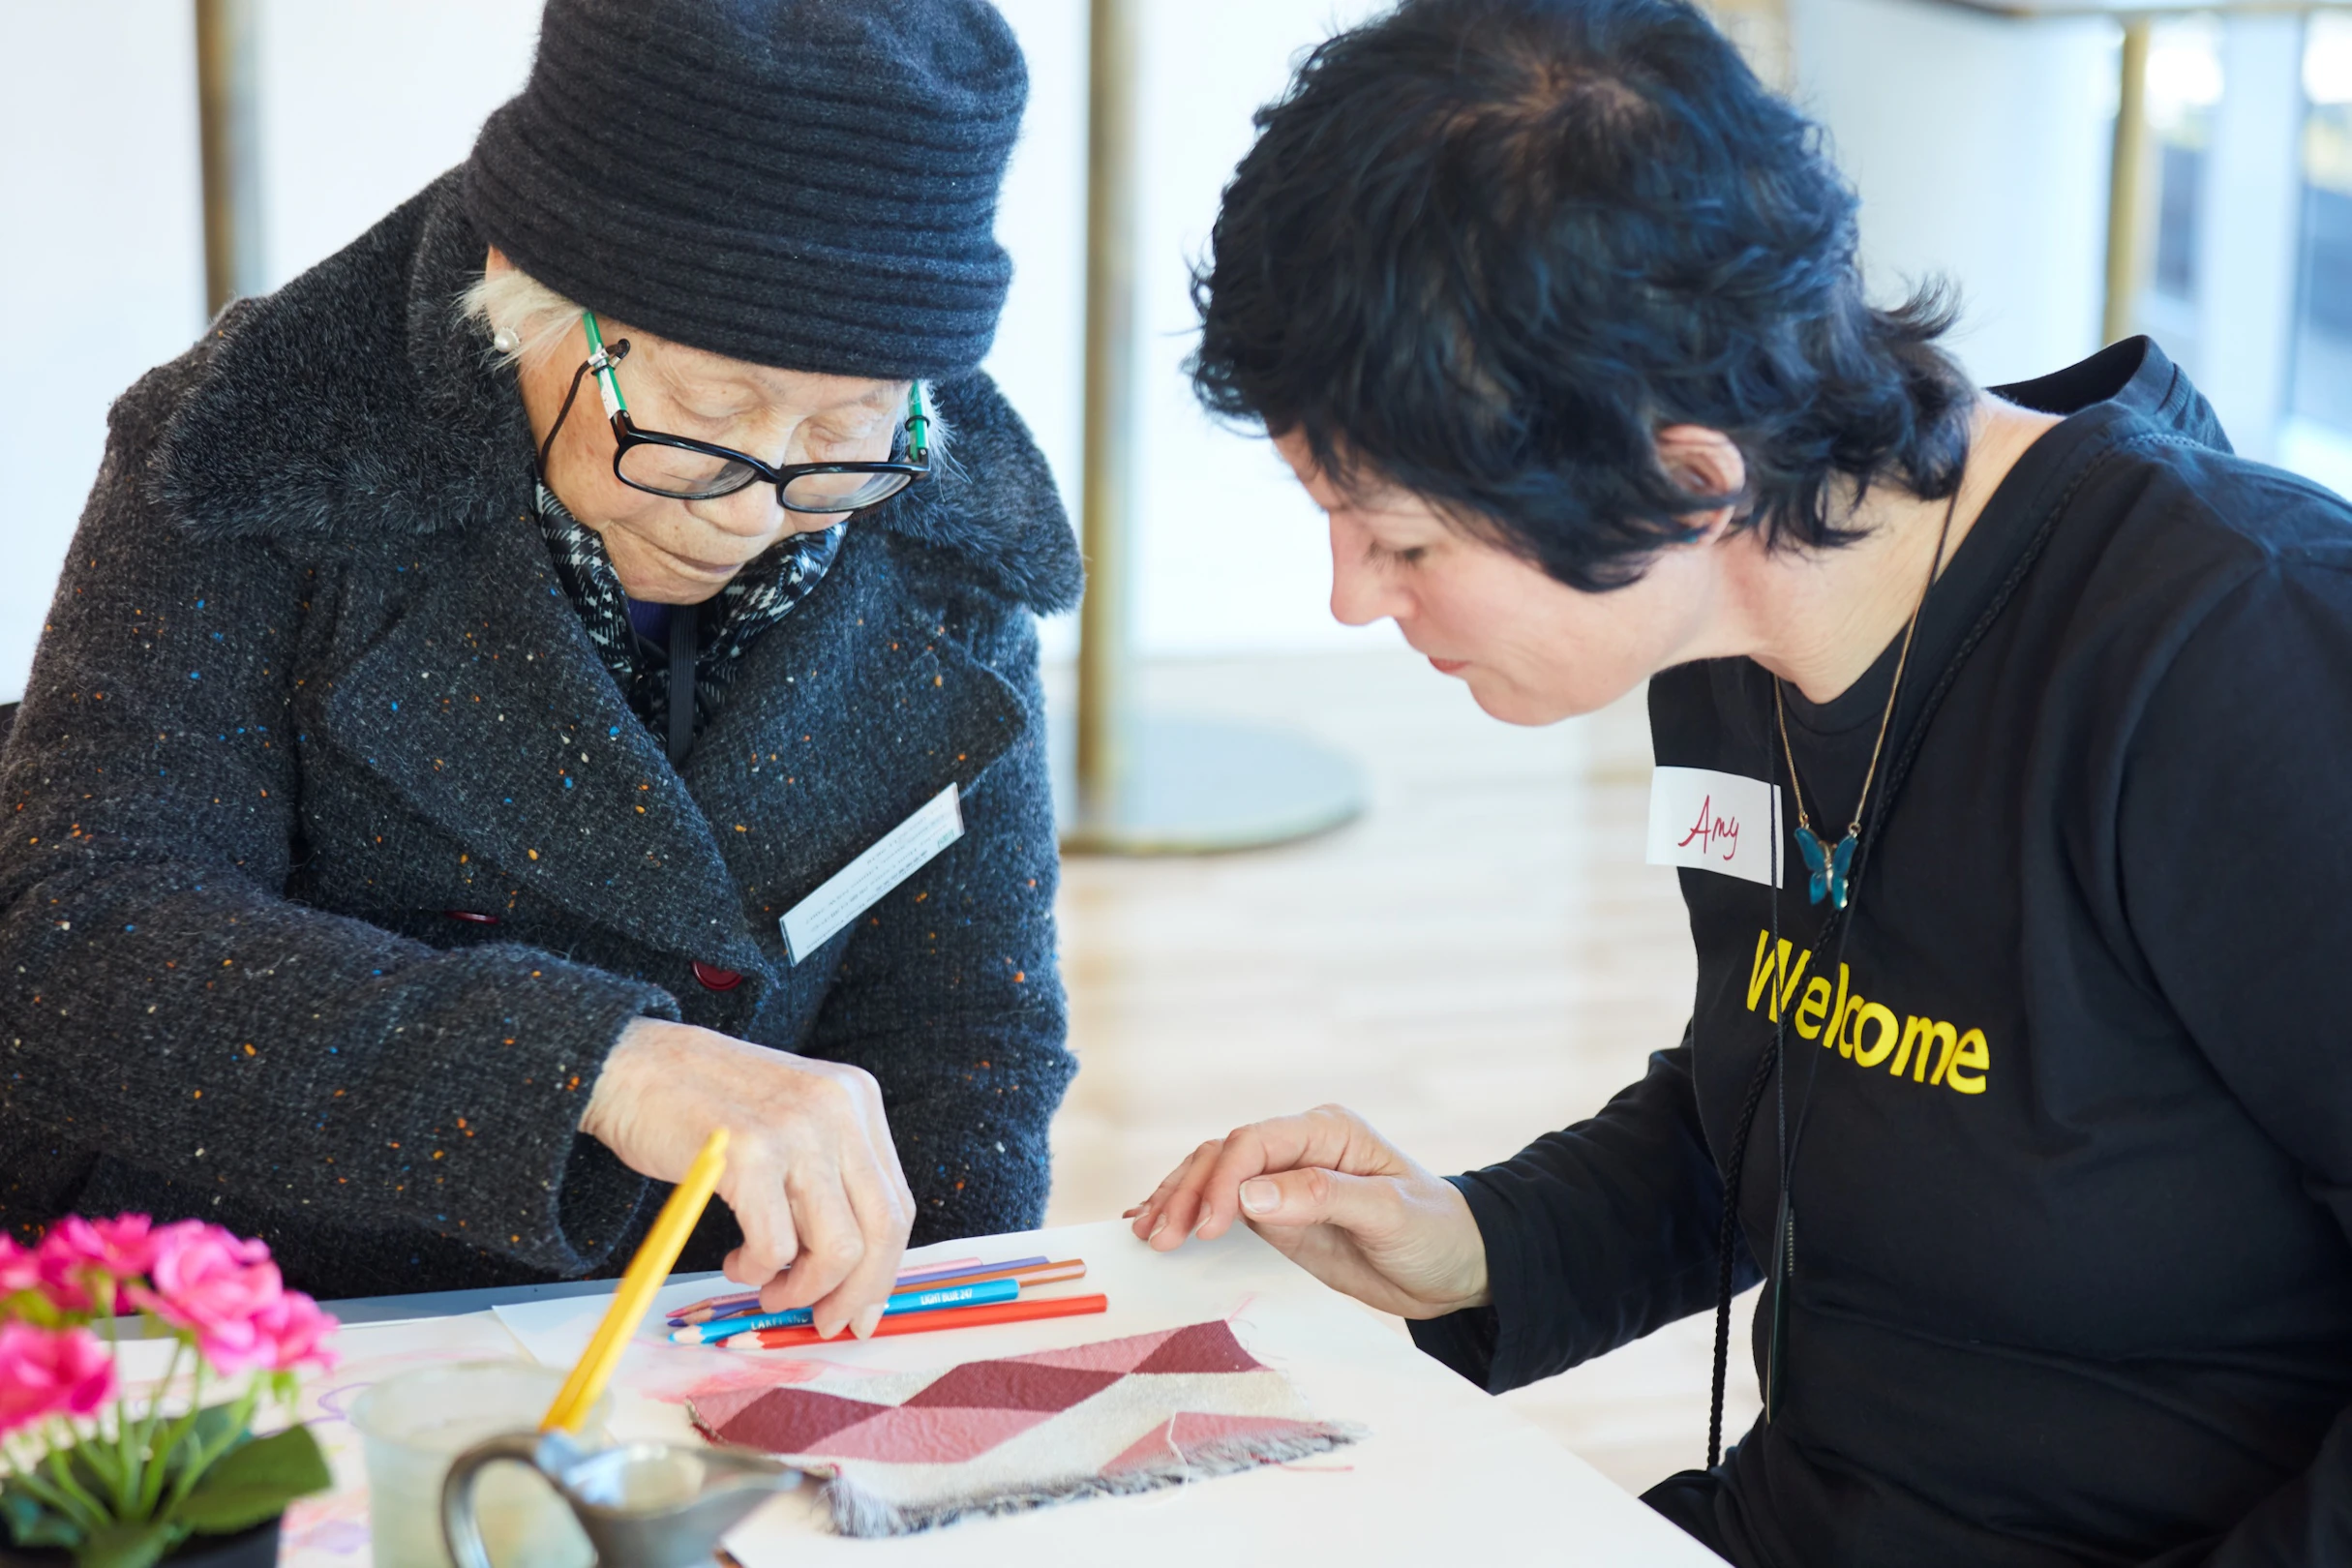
x,y
1979,145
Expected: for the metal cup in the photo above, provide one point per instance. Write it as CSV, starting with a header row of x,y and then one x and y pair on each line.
x,y
643,1505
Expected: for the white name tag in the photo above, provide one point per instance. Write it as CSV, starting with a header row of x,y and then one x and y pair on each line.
x,y
1714,821
849,891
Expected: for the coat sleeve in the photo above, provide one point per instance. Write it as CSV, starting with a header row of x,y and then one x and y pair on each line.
x,y
165,1005
2234,867
949,995
1594,1236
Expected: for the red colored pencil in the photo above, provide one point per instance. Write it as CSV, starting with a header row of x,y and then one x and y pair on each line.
x,y
1011,1312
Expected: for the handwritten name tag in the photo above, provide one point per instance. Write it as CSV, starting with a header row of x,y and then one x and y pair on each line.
x,y
1714,821
890,860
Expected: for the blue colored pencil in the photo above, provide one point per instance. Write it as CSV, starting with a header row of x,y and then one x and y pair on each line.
x,y
986,1293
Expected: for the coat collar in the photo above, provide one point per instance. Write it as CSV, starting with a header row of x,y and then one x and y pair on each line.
x,y
357,401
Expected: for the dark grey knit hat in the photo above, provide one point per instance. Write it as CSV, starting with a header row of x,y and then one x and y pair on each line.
x,y
810,184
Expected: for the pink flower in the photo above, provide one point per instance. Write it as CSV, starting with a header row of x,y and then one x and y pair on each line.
x,y
295,1330
124,1247
217,1288
19,1268
46,1370
85,1261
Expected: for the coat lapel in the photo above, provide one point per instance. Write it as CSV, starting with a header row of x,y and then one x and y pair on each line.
x,y
482,704
848,716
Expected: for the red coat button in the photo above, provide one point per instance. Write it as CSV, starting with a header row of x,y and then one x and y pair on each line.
x,y
715,978
470,917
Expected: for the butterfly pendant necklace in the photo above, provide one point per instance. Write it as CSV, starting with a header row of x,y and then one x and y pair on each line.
x,y
1832,864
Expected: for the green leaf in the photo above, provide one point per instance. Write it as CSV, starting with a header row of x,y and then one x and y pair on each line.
x,y
31,1523
130,1546
255,1482
214,1422
210,1431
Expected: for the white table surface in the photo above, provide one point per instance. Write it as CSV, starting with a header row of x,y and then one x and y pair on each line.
x,y
1446,1473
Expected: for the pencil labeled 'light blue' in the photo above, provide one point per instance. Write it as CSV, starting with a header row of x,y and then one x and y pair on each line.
x,y
988,1293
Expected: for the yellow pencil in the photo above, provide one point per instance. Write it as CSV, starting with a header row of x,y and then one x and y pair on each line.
x,y
646,1271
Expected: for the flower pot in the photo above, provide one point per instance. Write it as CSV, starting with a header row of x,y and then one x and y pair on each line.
x,y
257,1548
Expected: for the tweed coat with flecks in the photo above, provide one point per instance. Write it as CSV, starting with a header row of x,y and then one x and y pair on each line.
x,y
309,692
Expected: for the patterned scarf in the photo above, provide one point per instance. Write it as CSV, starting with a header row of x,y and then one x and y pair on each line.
x,y
757,597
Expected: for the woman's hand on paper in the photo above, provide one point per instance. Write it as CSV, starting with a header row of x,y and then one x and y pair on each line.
x,y
1337,1199
812,1175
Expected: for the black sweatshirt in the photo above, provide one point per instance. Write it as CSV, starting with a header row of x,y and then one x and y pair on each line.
x,y
2072,1279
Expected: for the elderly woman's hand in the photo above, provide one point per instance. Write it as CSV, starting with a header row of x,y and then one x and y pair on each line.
x,y
811,1173
1337,1199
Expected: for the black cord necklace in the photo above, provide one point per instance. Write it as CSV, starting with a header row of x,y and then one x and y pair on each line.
x,y
1832,869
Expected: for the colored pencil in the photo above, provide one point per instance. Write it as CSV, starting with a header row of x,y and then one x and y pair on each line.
x,y
1029,1274
655,1258
966,1273
745,1301
1040,1272
899,1306
1011,1311
961,1273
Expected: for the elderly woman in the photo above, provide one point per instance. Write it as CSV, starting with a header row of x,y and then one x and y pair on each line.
x,y
445,797
1999,736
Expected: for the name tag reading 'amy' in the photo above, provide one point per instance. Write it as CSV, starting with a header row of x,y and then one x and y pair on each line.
x,y
890,860
1714,821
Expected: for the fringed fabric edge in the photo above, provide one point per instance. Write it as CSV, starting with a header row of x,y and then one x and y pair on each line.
x,y
863,1514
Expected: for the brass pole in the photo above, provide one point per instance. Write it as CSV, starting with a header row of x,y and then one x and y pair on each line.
x,y
229,133
1108,485
2131,179
1152,784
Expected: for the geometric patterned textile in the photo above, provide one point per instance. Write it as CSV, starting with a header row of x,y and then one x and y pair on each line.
x,y
907,1450
763,592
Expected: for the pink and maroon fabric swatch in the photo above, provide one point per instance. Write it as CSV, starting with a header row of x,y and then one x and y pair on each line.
x,y
907,1450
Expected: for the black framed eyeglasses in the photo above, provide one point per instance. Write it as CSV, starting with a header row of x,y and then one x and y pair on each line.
x,y
683,468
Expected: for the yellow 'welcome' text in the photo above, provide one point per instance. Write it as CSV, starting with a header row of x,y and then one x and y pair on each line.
x,y
1866,1032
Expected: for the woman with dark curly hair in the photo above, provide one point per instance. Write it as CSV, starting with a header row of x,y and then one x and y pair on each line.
x,y
1998,735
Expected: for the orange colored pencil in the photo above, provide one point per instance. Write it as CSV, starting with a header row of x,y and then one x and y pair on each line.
x,y
1011,1312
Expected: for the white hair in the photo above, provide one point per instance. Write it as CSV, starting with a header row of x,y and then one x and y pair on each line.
x,y
517,309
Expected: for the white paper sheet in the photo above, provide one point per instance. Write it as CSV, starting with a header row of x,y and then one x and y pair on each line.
x,y
1447,1474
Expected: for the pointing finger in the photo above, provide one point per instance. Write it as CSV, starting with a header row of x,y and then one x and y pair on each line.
x,y
1179,1209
